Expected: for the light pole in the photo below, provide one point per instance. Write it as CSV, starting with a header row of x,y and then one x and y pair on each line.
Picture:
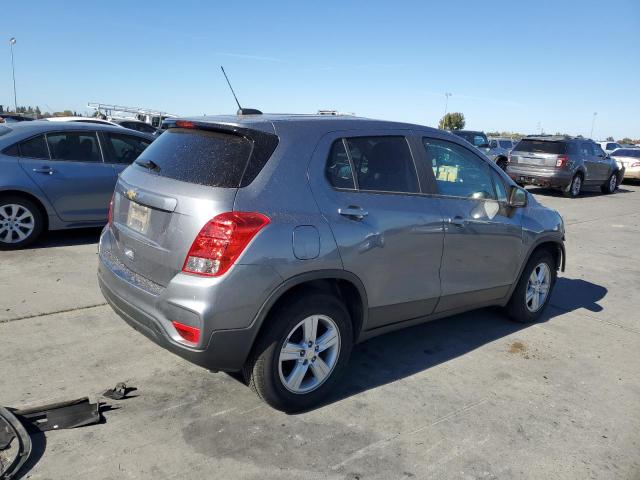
x,y
12,42
593,122
446,102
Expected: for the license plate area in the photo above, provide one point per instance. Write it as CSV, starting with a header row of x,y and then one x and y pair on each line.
x,y
138,217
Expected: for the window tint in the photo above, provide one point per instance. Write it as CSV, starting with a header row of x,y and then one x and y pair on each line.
x,y
627,152
34,148
203,157
507,144
597,149
540,146
458,172
477,139
383,164
585,149
12,150
74,146
612,146
501,191
338,169
123,148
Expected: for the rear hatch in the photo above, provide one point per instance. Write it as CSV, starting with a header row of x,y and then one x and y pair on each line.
x,y
538,153
190,174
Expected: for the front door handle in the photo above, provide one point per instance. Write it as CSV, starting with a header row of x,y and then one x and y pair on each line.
x,y
457,221
46,170
353,212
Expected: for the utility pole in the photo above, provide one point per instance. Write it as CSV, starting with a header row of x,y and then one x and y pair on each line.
x,y
446,102
12,42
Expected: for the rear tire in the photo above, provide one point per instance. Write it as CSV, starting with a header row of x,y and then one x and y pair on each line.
x,y
21,222
611,185
527,303
272,374
574,188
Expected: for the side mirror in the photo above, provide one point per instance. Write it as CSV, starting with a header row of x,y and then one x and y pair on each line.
x,y
517,197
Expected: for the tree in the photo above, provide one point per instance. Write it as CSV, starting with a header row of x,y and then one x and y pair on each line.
x,y
1,108
610,139
452,121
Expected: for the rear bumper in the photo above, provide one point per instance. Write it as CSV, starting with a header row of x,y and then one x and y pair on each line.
x,y
151,311
544,178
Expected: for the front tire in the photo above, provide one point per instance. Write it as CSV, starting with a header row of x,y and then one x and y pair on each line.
x,y
302,353
611,185
21,222
533,291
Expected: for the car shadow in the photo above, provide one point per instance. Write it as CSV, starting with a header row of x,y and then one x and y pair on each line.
x,y
397,355
68,238
586,192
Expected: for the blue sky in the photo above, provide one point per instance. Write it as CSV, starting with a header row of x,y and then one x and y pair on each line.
x,y
509,65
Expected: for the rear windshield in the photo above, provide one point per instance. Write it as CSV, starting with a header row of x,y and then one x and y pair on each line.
x,y
478,139
541,146
199,156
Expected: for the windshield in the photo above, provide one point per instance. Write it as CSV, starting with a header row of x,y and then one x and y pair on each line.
x,y
626,152
478,139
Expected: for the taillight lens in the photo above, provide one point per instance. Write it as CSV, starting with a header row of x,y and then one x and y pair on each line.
x,y
187,332
221,241
110,216
562,161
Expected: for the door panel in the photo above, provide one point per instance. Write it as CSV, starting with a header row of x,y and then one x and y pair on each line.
x,y
391,241
483,236
482,248
76,181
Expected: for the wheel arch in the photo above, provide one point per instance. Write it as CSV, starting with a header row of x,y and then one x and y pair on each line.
x,y
31,197
345,285
554,245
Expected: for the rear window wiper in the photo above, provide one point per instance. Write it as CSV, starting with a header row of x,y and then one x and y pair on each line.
x,y
150,164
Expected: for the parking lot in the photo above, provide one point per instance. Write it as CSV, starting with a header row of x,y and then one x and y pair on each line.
x,y
472,396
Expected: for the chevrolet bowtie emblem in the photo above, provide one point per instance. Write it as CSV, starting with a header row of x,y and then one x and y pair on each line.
x,y
131,194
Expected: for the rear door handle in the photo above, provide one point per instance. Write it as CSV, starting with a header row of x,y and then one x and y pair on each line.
x,y
458,221
47,170
353,212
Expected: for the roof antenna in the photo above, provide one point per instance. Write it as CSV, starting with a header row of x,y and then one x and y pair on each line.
x,y
241,111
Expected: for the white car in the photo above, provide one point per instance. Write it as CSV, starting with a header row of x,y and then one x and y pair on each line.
x,y
629,158
609,147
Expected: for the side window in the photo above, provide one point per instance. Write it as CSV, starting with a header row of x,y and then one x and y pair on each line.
x,y
458,172
501,191
74,146
12,151
585,149
597,150
338,170
383,164
34,148
123,148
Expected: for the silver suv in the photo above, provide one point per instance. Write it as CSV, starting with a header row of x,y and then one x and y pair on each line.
x,y
568,163
271,244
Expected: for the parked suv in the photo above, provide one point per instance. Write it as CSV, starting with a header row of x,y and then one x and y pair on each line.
x,y
58,175
567,163
492,149
271,244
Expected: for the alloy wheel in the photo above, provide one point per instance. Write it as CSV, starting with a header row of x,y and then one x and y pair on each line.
x,y
613,183
577,185
538,287
309,354
16,223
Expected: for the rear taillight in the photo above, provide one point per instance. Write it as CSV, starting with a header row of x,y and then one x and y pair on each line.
x,y
221,241
110,216
562,161
187,332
